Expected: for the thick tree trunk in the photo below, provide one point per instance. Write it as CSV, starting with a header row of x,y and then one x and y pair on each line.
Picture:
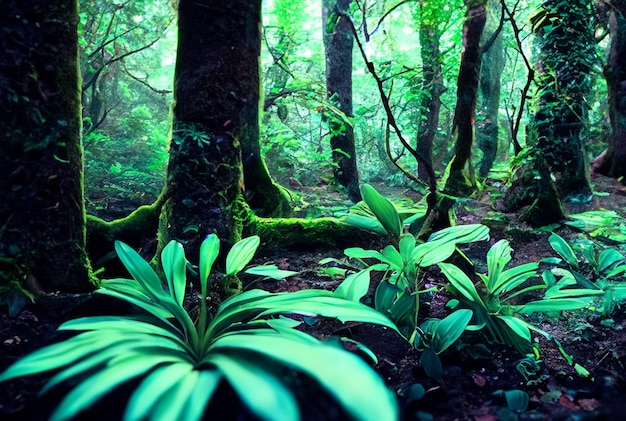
x,y
432,87
565,61
487,127
461,179
613,161
42,213
338,43
216,95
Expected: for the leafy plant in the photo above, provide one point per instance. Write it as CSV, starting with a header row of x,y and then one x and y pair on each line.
x,y
180,363
492,303
398,293
603,269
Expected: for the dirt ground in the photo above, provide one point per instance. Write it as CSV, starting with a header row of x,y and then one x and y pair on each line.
x,y
472,381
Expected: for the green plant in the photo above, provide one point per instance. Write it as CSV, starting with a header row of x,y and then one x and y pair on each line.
x,y
600,273
398,293
179,363
492,303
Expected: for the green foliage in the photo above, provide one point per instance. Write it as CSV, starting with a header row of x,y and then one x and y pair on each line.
x,y
601,271
397,294
492,302
179,364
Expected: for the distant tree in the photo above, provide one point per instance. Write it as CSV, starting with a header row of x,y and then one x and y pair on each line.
x,y
42,214
566,56
565,41
487,127
432,80
338,44
461,179
612,162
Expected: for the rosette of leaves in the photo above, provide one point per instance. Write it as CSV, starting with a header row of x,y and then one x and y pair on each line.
x,y
492,299
178,364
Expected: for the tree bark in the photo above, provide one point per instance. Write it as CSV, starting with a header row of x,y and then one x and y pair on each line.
x,y
42,212
490,87
613,161
216,93
432,85
461,179
566,44
338,43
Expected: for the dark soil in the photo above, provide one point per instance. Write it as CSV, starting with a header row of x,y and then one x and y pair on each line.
x,y
474,375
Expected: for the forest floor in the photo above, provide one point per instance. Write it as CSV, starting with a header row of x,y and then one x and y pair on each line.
x,y
472,384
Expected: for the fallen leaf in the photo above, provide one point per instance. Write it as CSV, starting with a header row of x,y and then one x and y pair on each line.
x,y
479,380
589,404
566,402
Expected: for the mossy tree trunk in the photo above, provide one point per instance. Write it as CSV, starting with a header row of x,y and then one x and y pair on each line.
x,y
432,83
338,43
42,213
216,93
487,126
613,161
461,179
566,44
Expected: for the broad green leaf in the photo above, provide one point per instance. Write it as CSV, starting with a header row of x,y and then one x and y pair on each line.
x,y
367,399
206,384
431,363
512,278
172,404
498,256
355,286
258,389
461,234
102,382
518,326
393,257
461,282
383,209
450,329
608,258
433,252
406,247
386,294
359,253
153,388
175,266
141,271
563,249
365,222
241,253
209,250
517,400
270,271
554,304
63,353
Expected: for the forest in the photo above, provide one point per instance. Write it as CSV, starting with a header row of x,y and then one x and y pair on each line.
x,y
313,210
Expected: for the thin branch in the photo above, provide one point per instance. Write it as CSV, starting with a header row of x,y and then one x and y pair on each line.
x,y
391,121
484,48
144,83
383,17
529,80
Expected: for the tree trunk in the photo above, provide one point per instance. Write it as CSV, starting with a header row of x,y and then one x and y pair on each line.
x,y
461,179
432,85
338,43
487,127
216,93
613,161
42,213
564,35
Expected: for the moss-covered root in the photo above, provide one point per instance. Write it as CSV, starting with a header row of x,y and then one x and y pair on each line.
x,y
535,189
438,216
307,233
135,230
